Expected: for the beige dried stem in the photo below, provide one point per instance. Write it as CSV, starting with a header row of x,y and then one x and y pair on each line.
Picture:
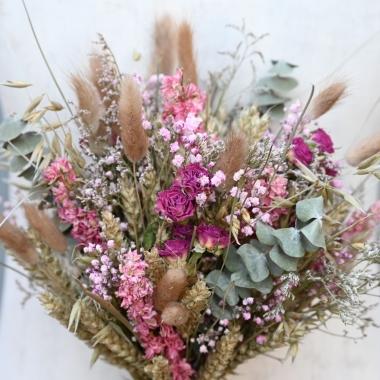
x,y
186,53
46,227
233,158
88,101
164,53
14,239
328,98
133,136
364,149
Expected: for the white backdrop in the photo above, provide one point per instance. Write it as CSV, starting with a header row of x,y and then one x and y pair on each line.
x,y
320,36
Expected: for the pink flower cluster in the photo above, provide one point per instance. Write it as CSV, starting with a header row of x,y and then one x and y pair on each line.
x,y
85,224
136,291
178,203
363,226
179,100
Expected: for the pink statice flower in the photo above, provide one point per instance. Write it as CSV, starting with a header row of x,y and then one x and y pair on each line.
x,y
180,101
212,237
85,223
59,170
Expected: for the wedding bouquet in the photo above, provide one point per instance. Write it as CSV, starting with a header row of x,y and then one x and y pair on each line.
x,y
178,239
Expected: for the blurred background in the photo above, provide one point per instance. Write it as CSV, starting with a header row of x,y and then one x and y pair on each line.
x,y
325,38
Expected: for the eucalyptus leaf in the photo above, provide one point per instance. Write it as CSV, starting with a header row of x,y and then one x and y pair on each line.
x,y
11,127
17,163
254,261
281,84
243,292
277,112
28,174
269,99
233,261
265,233
23,144
290,241
263,81
243,279
284,261
218,311
223,286
314,233
309,247
310,209
273,267
281,67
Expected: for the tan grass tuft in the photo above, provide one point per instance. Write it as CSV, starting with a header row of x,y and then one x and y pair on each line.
x,y
95,74
170,287
328,98
175,314
46,227
233,158
88,99
133,136
186,53
164,46
14,239
364,149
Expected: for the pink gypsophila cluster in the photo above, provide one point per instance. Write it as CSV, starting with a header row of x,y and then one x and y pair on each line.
x,y
85,224
136,291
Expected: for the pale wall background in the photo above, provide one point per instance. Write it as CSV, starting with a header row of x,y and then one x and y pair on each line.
x,y
322,37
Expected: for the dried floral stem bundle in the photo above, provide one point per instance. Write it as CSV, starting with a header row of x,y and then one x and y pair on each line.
x,y
191,237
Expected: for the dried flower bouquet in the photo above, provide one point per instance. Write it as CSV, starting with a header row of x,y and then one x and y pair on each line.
x,y
178,239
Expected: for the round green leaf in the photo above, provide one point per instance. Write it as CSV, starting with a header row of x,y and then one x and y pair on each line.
x,y
314,234
265,233
277,112
290,241
281,67
223,283
273,267
243,279
310,209
218,311
233,261
28,173
243,292
281,84
17,163
254,261
23,144
269,99
284,261
11,127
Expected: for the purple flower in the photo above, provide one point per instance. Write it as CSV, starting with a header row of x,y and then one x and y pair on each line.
x,y
175,248
174,204
211,237
301,152
189,178
323,140
183,232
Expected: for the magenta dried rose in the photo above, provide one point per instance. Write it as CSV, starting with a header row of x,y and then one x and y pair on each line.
x,y
211,237
183,232
193,179
175,248
323,140
300,152
174,204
